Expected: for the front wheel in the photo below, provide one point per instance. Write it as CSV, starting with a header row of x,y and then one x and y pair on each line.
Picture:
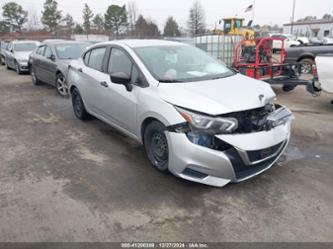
x,y
17,68
78,106
7,66
156,146
61,85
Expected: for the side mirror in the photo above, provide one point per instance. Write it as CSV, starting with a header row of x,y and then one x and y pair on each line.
x,y
52,57
122,78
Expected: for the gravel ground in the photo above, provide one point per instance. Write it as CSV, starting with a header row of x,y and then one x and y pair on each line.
x,y
65,180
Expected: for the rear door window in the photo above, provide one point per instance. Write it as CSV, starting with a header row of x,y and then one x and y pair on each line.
x,y
96,58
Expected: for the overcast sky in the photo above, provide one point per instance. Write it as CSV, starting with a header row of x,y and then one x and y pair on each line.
x,y
266,11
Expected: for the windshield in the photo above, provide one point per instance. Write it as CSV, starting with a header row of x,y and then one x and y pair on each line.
x,y
23,47
181,64
70,51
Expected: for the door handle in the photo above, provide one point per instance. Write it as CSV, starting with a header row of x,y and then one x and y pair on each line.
x,y
80,70
103,83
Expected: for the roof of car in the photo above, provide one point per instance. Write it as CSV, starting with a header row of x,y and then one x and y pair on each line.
x,y
135,43
55,42
25,41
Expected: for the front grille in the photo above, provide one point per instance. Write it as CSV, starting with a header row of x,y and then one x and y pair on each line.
x,y
257,155
242,170
251,120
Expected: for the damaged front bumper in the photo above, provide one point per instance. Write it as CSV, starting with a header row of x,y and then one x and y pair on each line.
x,y
246,155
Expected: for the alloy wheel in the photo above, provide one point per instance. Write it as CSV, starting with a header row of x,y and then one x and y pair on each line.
x,y
33,77
306,68
17,67
61,86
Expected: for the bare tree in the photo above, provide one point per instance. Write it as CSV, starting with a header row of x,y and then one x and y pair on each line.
x,y
69,22
132,14
196,22
98,22
87,16
33,19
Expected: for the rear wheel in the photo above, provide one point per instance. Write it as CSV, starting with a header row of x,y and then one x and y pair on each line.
x,y
61,85
78,106
306,65
35,80
156,145
288,88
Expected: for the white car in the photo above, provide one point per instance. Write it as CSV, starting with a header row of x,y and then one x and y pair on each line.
x,y
196,117
289,41
327,40
303,40
324,65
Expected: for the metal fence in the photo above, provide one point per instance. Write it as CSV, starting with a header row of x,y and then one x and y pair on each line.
x,y
221,47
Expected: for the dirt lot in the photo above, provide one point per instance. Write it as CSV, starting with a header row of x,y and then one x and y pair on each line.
x,y
65,180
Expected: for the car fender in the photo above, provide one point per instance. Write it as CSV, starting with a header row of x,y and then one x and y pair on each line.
x,y
156,106
306,55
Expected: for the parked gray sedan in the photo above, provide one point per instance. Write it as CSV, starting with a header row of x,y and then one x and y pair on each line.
x,y
49,62
17,55
3,47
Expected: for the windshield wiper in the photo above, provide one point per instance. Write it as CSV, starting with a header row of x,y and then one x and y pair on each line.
x,y
170,81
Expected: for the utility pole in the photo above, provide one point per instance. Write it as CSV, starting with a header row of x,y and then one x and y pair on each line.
x,y
293,18
253,10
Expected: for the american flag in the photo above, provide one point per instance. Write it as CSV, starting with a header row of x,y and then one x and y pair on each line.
x,y
249,8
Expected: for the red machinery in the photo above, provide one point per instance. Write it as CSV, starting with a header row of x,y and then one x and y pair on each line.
x,y
255,59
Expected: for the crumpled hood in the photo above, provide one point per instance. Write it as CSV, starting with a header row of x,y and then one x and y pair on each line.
x,y
215,97
22,55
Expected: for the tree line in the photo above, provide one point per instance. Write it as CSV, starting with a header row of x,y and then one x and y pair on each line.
x,y
117,20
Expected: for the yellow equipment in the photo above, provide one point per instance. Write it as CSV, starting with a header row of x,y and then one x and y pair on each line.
x,y
234,26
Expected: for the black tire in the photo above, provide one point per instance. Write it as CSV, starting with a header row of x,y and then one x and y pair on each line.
x,y
34,78
288,88
61,85
78,106
306,65
17,68
156,146
7,67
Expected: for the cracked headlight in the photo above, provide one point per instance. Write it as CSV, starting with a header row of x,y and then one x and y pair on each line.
x,y
207,124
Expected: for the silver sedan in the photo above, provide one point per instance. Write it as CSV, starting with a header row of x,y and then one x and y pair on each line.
x,y
196,117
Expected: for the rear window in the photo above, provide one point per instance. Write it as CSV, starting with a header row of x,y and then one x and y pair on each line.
x,y
24,47
70,51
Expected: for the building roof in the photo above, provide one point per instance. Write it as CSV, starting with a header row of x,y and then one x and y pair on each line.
x,y
309,22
